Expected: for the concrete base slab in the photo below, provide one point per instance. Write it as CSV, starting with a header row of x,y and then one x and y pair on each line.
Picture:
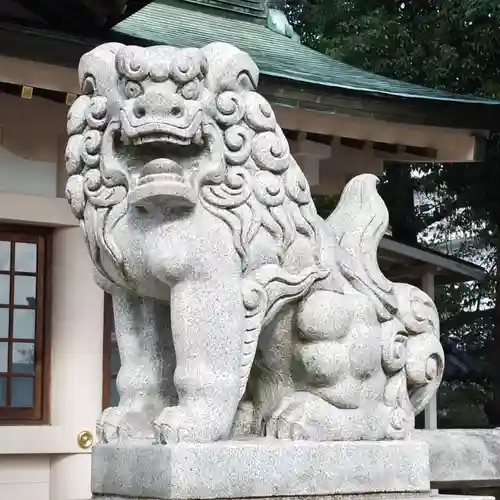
x,y
258,468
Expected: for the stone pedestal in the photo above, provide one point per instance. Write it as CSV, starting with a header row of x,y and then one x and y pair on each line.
x,y
366,496
259,468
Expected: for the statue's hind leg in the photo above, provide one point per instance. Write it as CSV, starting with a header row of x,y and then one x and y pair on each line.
x,y
271,376
339,377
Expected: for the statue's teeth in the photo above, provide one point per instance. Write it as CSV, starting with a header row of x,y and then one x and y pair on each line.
x,y
198,138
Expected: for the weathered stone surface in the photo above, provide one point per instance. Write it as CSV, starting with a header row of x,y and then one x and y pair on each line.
x,y
463,457
202,226
259,468
391,496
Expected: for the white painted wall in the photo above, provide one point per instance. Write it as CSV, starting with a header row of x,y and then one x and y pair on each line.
x,y
25,477
76,364
22,176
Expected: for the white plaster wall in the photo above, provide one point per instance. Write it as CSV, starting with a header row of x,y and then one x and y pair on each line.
x,y
76,364
25,477
22,176
32,133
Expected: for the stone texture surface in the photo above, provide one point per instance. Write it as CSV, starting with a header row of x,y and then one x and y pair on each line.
x,y
202,226
391,496
463,457
259,468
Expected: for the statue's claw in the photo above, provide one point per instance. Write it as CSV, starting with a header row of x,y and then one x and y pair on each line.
x,y
182,424
245,422
119,424
290,420
305,416
107,425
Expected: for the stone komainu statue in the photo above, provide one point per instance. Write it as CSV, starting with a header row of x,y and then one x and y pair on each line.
x,y
238,310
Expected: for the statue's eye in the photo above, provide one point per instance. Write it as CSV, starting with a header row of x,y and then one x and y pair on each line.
x,y
132,89
191,90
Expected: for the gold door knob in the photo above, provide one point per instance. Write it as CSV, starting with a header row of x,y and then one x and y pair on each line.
x,y
85,440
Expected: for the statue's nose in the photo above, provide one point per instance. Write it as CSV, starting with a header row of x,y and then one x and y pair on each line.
x,y
159,104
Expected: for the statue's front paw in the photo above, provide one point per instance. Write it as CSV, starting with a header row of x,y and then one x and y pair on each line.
x,y
198,425
119,423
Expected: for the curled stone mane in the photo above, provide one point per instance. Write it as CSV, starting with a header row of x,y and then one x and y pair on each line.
x,y
259,186
263,187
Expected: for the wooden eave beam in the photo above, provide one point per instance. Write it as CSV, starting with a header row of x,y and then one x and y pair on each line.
x,y
401,151
338,101
440,263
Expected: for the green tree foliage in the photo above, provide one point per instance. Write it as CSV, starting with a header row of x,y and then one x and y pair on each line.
x,y
452,45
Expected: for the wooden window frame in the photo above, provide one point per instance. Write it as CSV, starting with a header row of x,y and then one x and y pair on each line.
x,y
39,414
108,328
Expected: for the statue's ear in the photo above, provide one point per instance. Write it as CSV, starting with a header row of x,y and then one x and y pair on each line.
x,y
229,68
97,68
98,75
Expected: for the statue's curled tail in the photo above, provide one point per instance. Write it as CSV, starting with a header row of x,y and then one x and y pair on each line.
x,y
412,356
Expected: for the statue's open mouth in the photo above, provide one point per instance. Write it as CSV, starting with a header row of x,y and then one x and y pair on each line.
x,y
167,161
168,137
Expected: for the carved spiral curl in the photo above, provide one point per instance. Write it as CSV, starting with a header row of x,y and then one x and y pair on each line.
x,y
229,108
131,63
394,346
235,190
73,154
77,120
259,113
254,298
416,310
238,144
268,189
296,185
97,113
270,152
76,195
424,362
186,65
419,355
92,182
424,369
100,195
91,147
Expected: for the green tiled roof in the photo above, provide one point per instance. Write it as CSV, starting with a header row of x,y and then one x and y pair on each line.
x,y
164,22
255,8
